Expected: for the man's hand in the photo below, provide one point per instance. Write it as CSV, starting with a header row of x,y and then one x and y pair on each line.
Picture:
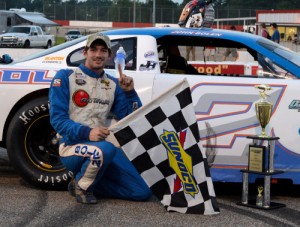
x,y
126,83
99,133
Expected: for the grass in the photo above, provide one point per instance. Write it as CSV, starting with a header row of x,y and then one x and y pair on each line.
x,y
59,40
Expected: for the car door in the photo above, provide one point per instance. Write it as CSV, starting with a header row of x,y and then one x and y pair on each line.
x,y
224,97
41,38
33,37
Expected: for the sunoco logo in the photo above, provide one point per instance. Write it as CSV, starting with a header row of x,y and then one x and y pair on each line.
x,y
180,162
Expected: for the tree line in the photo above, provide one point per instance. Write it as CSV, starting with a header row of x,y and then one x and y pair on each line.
x,y
167,11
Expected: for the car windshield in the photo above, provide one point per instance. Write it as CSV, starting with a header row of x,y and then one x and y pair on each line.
x,y
273,69
19,30
268,68
282,51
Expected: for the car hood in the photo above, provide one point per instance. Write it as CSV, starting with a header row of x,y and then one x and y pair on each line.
x,y
74,35
14,34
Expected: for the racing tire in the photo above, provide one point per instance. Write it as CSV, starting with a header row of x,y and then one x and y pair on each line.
x,y
27,44
32,147
49,45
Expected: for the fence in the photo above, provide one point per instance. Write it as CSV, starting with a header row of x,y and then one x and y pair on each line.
x,y
115,13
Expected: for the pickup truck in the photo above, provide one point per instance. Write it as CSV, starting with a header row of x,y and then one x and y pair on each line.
x,y
26,36
223,94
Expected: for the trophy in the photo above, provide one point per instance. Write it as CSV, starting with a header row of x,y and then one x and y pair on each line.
x,y
263,108
259,197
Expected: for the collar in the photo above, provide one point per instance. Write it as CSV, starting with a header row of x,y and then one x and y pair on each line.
x,y
91,73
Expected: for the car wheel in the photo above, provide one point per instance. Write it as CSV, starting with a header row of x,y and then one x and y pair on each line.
x,y
27,44
49,45
32,147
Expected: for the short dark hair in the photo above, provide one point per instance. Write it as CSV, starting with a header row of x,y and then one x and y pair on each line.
x,y
274,25
95,43
263,25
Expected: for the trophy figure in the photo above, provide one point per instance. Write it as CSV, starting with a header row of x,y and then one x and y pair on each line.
x,y
263,108
259,197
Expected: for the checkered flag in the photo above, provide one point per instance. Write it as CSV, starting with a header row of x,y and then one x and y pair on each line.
x,y
161,139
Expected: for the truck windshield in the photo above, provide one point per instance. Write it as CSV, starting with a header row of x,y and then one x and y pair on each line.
x,y
19,30
73,32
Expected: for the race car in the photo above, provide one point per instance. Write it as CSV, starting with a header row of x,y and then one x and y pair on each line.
x,y
224,96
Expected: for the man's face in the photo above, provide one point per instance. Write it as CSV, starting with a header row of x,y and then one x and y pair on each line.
x,y
96,56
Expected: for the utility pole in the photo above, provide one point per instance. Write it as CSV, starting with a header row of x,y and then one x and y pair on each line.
x,y
153,16
134,13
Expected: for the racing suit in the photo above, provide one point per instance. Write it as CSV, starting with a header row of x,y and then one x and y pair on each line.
x,y
194,21
80,100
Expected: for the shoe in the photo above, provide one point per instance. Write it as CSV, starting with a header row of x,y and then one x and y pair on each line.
x,y
83,196
71,187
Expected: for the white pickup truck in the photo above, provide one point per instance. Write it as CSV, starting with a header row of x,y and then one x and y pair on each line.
x,y
26,36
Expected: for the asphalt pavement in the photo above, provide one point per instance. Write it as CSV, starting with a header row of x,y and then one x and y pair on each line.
x,y
24,205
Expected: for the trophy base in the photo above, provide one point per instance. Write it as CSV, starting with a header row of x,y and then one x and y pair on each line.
x,y
256,137
252,204
263,136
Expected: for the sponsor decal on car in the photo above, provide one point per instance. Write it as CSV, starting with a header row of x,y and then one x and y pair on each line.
x,y
295,104
149,54
53,60
202,33
24,76
223,69
150,65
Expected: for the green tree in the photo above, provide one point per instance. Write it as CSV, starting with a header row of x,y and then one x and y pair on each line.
x,y
263,4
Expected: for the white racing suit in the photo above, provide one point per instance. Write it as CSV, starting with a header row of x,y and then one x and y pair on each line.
x,y
79,101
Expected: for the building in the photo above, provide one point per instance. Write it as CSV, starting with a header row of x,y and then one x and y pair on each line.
x,y
288,22
20,16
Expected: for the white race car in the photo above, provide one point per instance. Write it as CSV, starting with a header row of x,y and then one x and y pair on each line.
x,y
223,95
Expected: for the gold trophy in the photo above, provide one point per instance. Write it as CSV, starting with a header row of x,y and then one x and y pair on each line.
x,y
263,108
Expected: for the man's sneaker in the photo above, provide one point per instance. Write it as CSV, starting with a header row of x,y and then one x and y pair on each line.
x,y
83,196
71,187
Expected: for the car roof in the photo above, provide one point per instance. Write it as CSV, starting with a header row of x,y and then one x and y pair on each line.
x,y
159,32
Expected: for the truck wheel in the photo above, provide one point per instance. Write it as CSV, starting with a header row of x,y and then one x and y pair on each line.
x,y
27,44
32,147
49,45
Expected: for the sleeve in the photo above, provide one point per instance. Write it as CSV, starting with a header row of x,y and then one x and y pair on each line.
x,y
125,102
59,97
